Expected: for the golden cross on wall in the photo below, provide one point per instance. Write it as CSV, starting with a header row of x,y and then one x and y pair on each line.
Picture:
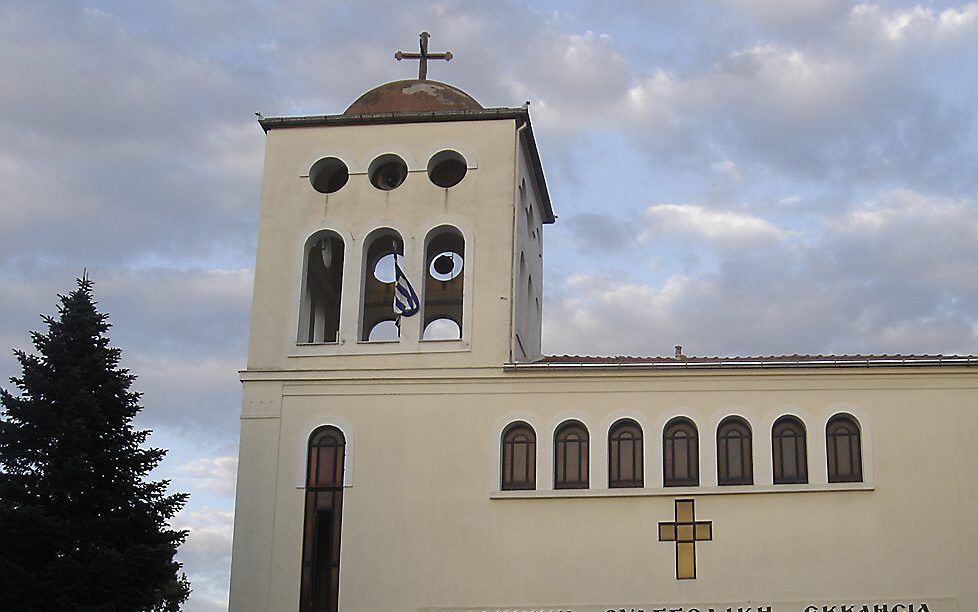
x,y
424,56
685,531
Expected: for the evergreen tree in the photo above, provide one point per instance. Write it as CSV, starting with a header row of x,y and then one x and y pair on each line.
x,y
81,528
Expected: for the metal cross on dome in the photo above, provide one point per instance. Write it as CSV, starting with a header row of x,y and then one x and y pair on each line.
x,y
424,56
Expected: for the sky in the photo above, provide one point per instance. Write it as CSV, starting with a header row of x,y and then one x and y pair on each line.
x,y
741,177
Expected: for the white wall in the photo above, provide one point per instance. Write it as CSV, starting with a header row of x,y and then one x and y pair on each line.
x,y
423,524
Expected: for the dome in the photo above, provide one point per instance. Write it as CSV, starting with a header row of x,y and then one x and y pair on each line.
x,y
412,96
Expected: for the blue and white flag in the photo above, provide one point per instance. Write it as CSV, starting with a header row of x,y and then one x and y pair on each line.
x,y
406,301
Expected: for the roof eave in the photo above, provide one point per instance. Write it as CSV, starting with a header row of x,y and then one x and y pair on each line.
x,y
531,147
482,114
749,364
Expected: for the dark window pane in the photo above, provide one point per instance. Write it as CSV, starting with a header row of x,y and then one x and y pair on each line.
x,y
625,457
319,589
518,469
326,470
788,448
571,456
734,455
680,454
680,449
843,449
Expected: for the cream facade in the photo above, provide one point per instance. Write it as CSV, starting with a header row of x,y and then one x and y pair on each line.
x,y
425,522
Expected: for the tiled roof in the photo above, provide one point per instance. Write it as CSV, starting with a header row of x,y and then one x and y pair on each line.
x,y
755,361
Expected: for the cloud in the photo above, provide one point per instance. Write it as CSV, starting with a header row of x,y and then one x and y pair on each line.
x,y
891,274
720,228
728,168
600,232
206,556
778,106
799,18
196,312
198,398
213,474
900,25
571,77
925,245
120,143
847,103
182,332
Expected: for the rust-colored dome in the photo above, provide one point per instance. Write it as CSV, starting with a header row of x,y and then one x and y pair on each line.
x,y
412,96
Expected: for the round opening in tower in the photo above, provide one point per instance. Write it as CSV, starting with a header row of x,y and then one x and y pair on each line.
x,y
328,175
446,168
387,172
442,329
384,269
384,331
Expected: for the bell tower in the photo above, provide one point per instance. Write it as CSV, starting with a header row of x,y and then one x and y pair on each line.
x,y
400,243
414,173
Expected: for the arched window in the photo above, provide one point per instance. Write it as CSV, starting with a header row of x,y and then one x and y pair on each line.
x,y
789,451
735,460
322,284
518,463
571,456
843,449
377,318
680,454
444,278
319,591
625,455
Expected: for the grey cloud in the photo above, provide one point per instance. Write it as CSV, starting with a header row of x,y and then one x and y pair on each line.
x,y
924,247
214,474
183,333
194,400
186,313
96,80
815,117
596,232
112,143
799,19
894,275
206,556
845,107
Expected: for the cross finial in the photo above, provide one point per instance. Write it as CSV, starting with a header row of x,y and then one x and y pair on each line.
x,y
424,56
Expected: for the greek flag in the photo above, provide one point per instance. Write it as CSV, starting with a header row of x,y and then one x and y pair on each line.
x,y
406,303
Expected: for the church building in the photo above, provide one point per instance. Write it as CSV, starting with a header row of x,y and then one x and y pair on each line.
x,y
406,445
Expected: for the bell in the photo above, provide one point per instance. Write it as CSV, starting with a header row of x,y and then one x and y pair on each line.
x,y
389,176
326,249
444,264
